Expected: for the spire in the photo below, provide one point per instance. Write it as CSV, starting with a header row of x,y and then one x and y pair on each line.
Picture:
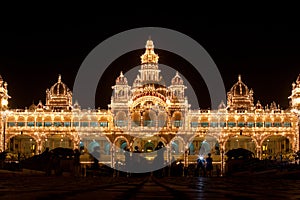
x,y
240,78
149,44
59,78
121,74
149,56
222,105
298,79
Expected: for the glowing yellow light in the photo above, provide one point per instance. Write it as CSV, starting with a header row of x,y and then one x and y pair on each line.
x,y
296,101
4,102
168,101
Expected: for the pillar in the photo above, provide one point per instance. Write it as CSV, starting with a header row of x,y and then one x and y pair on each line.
x,y
169,153
222,151
39,146
258,152
113,155
185,157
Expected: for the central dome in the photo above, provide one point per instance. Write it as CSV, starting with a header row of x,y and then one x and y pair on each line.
x,y
59,88
239,88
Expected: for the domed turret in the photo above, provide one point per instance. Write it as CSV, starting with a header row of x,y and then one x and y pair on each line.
x,y
240,97
222,105
32,107
59,88
240,89
137,82
59,97
295,96
149,56
121,80
177,80
3,95
258,105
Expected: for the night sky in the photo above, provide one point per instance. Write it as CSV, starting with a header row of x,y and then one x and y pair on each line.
x,y
32,54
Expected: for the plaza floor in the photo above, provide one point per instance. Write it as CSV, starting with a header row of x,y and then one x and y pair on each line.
x,y
35,185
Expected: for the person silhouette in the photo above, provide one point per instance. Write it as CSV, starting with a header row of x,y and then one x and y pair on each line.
x,y
209,166
96,158
77,162
159,159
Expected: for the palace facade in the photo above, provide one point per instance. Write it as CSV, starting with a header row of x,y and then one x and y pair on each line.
x,y
148,112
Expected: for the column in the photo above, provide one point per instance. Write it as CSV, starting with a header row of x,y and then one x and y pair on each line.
x,y
39,146
186,158
113,156
258,152
222,160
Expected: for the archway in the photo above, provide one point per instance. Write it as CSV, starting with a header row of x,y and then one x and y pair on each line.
x,y
89,141
23,144
201,146
149,147
205,148
275,146
240,141
92,146
120,145
53,141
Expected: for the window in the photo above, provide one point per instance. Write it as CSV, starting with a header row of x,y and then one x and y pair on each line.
x,y
84,124
39,124
30,124
231,124
222,124
47,124
287,124
20,123
250,124
259,124
204,124
162,123
104,124
194,124
75,124
177,123
57,124
120,123
268,124
277,124
241,124
67,124
10,124
148,123
93,124
214,124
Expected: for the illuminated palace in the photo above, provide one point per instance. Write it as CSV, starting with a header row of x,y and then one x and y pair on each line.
x,y
149,112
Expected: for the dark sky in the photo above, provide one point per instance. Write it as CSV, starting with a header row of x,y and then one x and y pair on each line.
x,y
32,54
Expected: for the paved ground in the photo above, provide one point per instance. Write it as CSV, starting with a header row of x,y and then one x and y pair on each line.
x,y
34,185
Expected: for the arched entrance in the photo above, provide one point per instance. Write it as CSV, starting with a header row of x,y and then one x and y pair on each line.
x,y
93,146
201,146
177,149
120,145
23,144
100,142
58,140
276,145
149,147
240,141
